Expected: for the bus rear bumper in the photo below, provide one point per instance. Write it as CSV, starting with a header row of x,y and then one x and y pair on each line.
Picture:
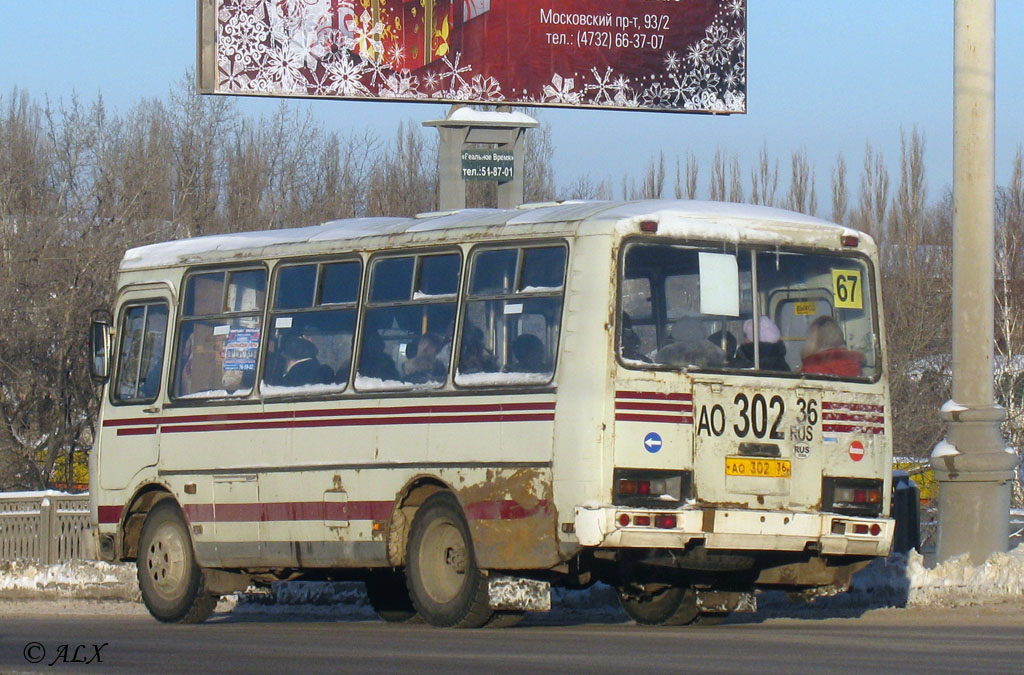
x,y
734,529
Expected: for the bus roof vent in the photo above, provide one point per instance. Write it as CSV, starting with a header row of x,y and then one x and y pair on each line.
x,y
436,214
544,205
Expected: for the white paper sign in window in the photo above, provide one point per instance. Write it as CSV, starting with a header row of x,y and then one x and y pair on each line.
x,y
719,284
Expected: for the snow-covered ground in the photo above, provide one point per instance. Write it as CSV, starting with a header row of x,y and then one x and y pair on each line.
x,y
894,582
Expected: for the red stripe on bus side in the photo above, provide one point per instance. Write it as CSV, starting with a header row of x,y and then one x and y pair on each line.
x,y
505,509
853,417
852,429
137,431
332,412
654,395
665,407
359,421
860,407
198,513
664,419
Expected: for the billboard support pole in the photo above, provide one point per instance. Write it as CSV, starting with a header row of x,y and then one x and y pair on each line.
x,y
465,126
973,467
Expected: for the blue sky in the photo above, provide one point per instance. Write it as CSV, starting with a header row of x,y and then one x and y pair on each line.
x,y
824,75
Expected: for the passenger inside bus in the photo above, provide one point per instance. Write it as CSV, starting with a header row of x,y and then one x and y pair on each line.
x,y
300,365
727,341
772,349
825,351
475,357
690,346
374,361
528,351
423,364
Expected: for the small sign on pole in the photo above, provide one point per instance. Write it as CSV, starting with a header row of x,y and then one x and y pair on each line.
x,y
491,164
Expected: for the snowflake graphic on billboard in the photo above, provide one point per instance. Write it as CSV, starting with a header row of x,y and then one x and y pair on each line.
x,y
668,55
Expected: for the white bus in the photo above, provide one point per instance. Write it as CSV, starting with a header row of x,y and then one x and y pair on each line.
x,y
685,400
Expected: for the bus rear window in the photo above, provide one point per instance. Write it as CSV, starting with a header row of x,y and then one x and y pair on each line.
x,y
776,312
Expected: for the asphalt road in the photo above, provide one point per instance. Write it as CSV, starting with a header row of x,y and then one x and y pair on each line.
x,y
989,640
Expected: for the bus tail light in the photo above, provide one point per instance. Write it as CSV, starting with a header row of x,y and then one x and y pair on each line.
x,y
652,488
649,226
850,240
852,496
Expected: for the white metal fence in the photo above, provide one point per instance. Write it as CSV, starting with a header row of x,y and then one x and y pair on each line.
x,y
45,527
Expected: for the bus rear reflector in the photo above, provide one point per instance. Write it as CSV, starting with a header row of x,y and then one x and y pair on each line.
x,y
850,240
642,520
665,521
649,226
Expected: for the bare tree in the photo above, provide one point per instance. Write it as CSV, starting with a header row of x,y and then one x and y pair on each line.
x,y
873,202
1009,377
801,196
692,173
405,182
585,187
653,181
716,188
840,199
764,179
917,290
735,180
539,173
198,123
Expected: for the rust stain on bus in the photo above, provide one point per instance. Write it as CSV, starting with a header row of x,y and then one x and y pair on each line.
x,y
512,519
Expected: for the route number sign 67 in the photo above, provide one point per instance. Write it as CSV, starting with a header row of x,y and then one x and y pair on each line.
x,y
847,289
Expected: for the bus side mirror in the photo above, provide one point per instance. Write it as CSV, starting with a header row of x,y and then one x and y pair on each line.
x,y
99,345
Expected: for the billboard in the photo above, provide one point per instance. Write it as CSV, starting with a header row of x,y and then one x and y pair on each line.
x,y
666,55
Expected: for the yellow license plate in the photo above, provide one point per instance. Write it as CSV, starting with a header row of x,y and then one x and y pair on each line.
x,y
757,467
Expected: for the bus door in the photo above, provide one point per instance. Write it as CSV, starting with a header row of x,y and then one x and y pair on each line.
x,y
131,427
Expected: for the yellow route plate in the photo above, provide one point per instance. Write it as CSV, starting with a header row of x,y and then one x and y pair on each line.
x,y
757,467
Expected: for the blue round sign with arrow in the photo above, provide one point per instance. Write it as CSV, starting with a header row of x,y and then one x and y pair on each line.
x,y
652,442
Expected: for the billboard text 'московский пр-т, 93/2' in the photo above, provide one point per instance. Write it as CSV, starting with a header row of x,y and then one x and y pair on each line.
x,y
666,55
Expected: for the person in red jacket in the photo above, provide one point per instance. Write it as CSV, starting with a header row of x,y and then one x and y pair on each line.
x,y
825,351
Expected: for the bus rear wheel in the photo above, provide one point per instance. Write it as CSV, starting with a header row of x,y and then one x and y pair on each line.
x,y
173,585
446,587
667,606
389,597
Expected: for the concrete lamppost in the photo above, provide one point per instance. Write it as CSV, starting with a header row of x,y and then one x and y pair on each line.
x,y
973,468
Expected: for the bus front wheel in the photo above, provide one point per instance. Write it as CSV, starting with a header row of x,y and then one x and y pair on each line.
x,y
173,585
668,606
446,586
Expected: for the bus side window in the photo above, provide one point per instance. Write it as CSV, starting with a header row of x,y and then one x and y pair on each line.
x,y
220,333
312,327
141,357
409,322
512,316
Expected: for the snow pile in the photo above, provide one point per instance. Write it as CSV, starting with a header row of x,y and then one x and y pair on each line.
x,y
957,582
85,579
328,599
897,581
